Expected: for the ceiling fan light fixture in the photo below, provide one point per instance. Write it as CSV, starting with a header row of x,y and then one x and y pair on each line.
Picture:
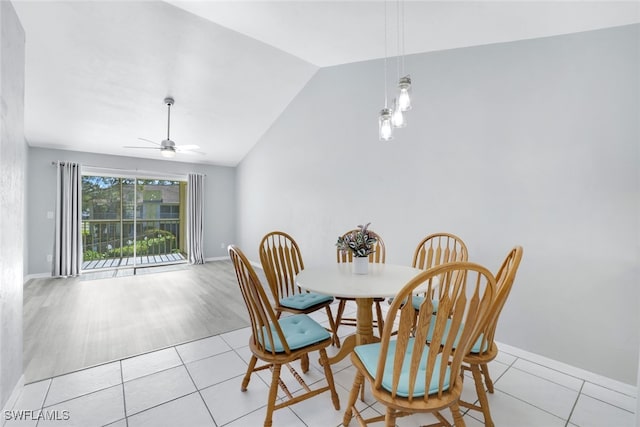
x,y
168,152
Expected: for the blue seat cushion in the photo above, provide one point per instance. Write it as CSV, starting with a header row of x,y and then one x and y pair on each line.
x,y
299,331
418,300
369,354
305,300
476,346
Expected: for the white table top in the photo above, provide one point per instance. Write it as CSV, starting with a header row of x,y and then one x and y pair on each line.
x,y
383,280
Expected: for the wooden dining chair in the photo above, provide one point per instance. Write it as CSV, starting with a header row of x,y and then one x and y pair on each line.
x,y
378,256
278,342
281,261
406,374
485,349
436,249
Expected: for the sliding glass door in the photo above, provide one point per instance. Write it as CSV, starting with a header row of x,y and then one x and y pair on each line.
x,y
132,222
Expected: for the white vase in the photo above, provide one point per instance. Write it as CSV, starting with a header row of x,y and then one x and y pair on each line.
x,y
361,265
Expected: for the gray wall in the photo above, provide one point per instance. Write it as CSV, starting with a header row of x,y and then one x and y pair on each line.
x,y
532,143
12,179
219,203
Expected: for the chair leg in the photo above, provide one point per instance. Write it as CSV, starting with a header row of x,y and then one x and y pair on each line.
x,y
341,306
273,393
458,421
487,378
332,326
353,396
247,376
390,417
380,318
324,360
482,396
304,363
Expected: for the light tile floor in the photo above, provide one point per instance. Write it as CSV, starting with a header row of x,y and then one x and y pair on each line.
x,y
198,384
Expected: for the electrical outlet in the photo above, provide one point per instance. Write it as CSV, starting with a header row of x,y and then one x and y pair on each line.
x,y
222,246
49,258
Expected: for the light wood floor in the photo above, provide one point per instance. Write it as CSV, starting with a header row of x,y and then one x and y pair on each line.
x,y
74,323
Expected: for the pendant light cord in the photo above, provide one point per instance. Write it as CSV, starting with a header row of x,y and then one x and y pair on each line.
x,y
403,47
385,54
398,39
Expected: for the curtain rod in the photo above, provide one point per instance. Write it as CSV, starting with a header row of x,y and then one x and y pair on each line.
x,y
139,171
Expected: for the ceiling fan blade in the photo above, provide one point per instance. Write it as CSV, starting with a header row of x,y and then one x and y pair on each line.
x,y
187,147
144,148
148,140
200,153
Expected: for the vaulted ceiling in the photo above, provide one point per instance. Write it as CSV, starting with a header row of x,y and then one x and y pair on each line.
x,y
97,71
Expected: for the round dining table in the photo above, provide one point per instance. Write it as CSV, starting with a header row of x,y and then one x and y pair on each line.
x,y
339,280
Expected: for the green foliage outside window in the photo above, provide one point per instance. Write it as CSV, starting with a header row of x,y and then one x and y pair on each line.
x,y
152,242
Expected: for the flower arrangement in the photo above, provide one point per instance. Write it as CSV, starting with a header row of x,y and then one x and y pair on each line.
x,y
361,242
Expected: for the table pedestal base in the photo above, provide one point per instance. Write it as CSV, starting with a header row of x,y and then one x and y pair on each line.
x,y
364,331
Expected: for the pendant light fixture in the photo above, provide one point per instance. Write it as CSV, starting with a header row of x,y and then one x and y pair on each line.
x,y
404,83
395,117
385,126
404,99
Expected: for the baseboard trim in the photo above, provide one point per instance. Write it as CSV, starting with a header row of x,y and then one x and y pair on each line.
x,y
35,276
47,275
217,258
226,258
619,386
15,394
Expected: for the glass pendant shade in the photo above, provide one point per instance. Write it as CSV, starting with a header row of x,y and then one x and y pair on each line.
x,y
404,99
385,127
397,118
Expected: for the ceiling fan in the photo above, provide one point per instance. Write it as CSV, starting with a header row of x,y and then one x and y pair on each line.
x,y
167,147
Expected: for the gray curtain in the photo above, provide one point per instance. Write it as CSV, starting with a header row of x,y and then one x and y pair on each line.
x,y
195,218
67,250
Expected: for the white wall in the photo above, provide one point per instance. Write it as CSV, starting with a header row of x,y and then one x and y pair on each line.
x,y
532,143
12,179
219,203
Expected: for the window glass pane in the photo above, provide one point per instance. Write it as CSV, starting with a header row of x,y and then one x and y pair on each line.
x,y
131,221
101,197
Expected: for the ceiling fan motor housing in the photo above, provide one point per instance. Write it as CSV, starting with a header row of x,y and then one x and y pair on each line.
x,y
168,144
